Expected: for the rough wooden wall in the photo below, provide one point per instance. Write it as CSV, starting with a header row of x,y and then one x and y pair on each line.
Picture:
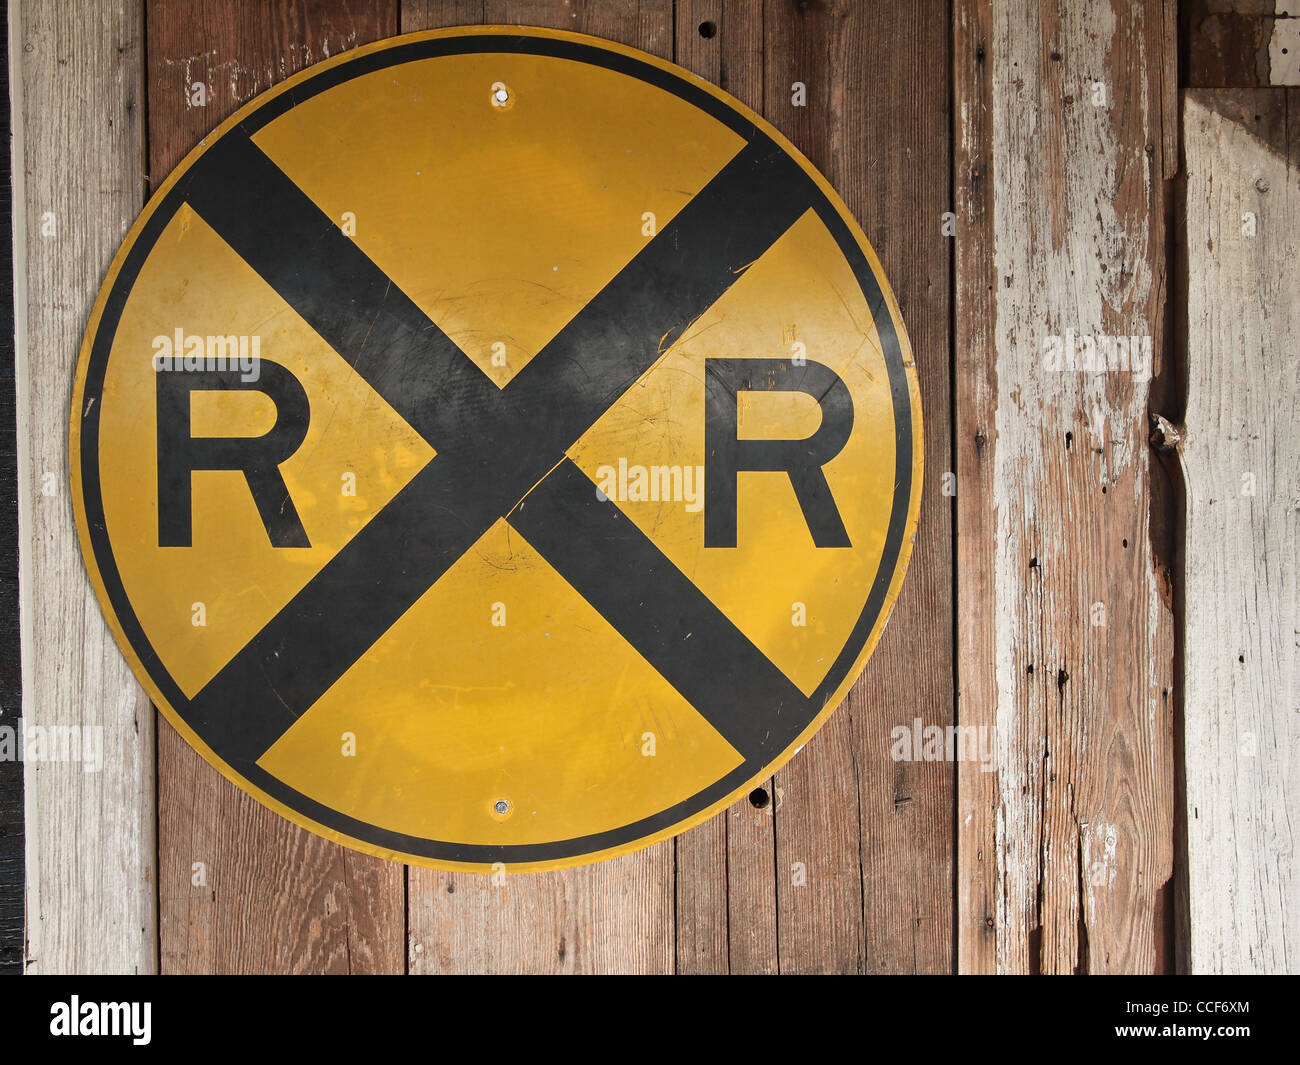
x,y
1041,599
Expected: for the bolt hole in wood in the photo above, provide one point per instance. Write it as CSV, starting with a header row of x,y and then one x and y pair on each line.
x,y
759,798
708,30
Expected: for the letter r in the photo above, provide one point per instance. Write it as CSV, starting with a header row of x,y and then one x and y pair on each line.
x,y
258,458
726,455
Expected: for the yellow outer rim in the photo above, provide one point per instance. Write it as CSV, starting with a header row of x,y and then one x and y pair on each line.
x,y
191,737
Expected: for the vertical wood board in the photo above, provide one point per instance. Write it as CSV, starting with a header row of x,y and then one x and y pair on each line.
x,y
242,889
79,182
1064,620
1241,462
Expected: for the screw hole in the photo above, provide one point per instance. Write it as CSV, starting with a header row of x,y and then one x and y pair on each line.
x,y
708,30
759,798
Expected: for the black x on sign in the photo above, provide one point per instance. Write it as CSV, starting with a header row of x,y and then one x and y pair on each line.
x,y
496,448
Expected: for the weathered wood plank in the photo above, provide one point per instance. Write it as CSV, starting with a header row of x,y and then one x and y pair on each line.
x,y
907,807
11,770
726,891
975,400
702,881
1169,89
611,917
875,835
1241,43
1064,625
617,915
78,151
435,14
751,870
1241,463
273,897
818,827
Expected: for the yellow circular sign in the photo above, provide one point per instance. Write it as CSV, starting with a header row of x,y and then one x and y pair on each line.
x,y
496,446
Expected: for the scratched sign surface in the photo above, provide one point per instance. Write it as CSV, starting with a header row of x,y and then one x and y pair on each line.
x,y
496,447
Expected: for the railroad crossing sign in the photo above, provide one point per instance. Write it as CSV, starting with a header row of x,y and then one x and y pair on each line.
x,y
496,446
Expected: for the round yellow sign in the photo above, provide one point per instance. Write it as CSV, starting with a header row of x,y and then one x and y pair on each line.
x,y
496,446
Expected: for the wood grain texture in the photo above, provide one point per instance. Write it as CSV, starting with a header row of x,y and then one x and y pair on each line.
x,y
272,897
617,915
975,401
1241,462
819,881
1169,99
79,170
612,917
1241,43
701,885
726,869
751,872
1064,623
876,835
11,770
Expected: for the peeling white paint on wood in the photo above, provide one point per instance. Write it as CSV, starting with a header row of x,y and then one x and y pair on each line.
x,y
79,183
1284,48
1083,733
1241,461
